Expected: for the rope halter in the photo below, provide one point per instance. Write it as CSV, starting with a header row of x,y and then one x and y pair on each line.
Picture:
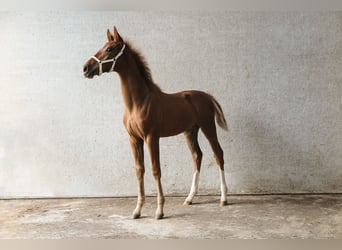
x,y
113,60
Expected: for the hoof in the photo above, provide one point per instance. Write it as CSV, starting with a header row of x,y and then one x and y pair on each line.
x,y
136,216
223,203
187,203
159,216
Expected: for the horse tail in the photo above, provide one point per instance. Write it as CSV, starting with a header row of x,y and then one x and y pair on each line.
x,y
220,119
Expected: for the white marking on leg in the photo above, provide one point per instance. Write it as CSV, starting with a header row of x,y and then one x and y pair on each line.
x,y
223,187
194,187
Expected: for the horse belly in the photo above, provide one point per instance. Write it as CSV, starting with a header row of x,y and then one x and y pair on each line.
x,y
176,121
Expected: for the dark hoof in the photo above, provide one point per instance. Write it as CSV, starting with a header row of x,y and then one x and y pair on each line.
x,y
136,216
159,216
223,203
187,203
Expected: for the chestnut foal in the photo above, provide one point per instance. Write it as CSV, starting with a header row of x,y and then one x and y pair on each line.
x,y
151,114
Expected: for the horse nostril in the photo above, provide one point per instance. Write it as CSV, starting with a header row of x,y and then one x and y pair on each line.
x,y
85,69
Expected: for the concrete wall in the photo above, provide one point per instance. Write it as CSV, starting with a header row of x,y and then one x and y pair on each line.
x,y
277,75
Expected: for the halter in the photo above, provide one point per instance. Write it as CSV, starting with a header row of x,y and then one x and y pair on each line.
x,y
109,60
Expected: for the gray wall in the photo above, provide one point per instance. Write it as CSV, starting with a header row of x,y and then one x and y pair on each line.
x,y
277,75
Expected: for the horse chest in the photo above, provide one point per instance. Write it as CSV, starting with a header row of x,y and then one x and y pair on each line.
x,y
134,127
138,122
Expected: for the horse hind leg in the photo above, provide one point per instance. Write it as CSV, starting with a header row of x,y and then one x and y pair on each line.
x,y
210,133
192,141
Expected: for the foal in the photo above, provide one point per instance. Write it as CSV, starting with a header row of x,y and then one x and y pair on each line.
x,y
151,114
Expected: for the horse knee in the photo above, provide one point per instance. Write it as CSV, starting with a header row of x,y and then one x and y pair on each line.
x,y
140,171
156,174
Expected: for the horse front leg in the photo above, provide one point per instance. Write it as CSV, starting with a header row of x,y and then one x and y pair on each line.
x,y
137,145
153,147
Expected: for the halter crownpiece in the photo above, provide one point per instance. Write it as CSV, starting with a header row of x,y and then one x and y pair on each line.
x,y
109,60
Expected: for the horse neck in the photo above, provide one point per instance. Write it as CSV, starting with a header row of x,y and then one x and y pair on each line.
x,y
133,86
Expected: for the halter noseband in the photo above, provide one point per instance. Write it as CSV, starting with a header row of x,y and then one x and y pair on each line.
x,y
109,60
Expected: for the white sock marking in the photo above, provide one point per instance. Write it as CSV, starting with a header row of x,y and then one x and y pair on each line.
x,y
223,186
194,187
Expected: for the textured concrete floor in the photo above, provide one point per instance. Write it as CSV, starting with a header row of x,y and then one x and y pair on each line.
x,y
275,216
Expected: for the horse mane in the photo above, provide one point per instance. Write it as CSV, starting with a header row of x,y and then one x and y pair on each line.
x,y
143,67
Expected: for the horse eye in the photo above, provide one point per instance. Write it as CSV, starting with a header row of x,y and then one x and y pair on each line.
x,y
109,49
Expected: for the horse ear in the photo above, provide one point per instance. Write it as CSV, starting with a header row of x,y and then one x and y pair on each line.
x,y
117,37
109,36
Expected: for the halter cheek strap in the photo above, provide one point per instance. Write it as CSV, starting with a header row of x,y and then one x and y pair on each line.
x,y
113,60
